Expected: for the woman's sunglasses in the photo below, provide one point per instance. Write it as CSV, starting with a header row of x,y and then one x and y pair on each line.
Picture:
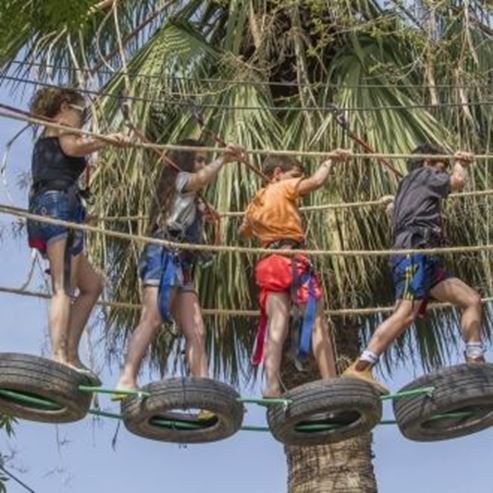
x,y
84,113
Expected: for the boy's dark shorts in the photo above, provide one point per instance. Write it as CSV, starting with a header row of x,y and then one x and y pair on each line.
x,y
415,275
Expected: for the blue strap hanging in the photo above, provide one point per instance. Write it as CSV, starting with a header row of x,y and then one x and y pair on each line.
x,y
169,268
308,316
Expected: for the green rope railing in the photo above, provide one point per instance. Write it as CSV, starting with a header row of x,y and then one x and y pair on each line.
x,y
261,401
105,414
264,401
48,405
408,393
30,399
104,390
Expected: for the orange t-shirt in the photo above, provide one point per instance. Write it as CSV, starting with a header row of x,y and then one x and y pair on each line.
x,y
273,213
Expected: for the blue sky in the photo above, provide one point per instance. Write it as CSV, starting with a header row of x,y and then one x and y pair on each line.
x,y
79,457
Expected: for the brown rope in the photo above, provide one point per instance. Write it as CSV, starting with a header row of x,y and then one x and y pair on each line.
x,y
310,208
17,115
19,212
222,312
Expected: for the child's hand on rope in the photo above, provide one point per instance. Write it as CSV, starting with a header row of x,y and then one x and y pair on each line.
x,y
233,153
120,139
386,200
464,158
339,156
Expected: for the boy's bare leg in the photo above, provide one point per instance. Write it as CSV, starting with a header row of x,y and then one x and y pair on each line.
x,y
458,293
385,334
278,312
390,329
322,345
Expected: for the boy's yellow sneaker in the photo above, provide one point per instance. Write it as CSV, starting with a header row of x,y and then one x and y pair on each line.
x,y
367,376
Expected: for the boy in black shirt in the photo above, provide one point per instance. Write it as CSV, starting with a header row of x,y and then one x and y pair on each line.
x,y
417,223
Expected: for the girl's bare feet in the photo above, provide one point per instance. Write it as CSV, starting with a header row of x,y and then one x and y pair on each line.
x,y
271,391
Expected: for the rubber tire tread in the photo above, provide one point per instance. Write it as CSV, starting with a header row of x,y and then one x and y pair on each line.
x,y
182,393
45,378
456,387
334,395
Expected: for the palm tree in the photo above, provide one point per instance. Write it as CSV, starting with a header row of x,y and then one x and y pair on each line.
x,y
250,65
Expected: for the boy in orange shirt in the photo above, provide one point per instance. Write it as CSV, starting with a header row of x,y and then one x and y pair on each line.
x,y
284,282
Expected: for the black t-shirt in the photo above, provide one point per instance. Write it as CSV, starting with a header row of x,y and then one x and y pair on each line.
x,y
416,220
50,163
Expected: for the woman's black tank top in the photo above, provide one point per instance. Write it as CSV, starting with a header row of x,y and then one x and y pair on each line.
x,y
51,164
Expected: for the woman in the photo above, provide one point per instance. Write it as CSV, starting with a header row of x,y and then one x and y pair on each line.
x,y
59,159
168,291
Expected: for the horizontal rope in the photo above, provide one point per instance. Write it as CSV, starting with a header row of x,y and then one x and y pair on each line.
x,y
310,208
327,109
262,152
223,312
17,211
356,205
222,82
144,394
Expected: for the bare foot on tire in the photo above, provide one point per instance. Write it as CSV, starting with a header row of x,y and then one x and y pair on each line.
x,y
271,393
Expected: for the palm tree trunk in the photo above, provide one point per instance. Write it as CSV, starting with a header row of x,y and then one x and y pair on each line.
x,y
344,467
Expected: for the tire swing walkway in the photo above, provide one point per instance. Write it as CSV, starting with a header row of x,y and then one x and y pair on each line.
x,y
448,403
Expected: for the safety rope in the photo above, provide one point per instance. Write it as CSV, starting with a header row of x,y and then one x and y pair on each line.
x,y
19,212
223,312
311,208
13,113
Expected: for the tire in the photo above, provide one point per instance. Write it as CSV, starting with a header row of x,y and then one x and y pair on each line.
x,y
46,380
459,389
193,394
353,406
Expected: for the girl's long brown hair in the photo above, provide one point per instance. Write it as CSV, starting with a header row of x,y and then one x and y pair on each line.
x,y
165,191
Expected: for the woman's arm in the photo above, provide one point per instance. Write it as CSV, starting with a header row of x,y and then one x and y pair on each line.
x,y
207,174
81,145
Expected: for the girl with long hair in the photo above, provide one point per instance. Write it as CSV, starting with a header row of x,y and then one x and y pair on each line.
x,y
167,275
